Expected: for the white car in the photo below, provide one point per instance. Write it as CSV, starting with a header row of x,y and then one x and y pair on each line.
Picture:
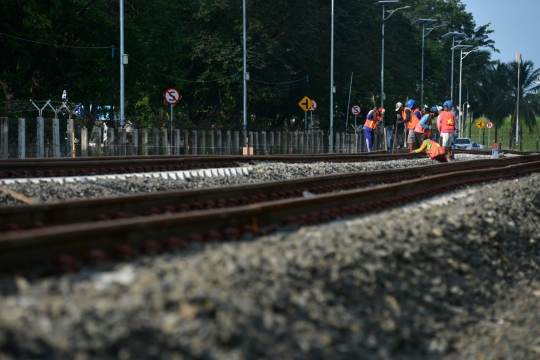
x,y
463,144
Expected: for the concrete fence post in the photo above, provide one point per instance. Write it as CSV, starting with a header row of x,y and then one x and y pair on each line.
x,y
84,141
40,128
186,142
4,124
236,143
202,151
194,140
144,142
110,141
213,142
70,144
272,150
97,141
177,141
278,134
21,145
135,140
219,143
56,137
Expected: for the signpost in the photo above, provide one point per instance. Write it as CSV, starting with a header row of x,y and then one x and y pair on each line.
x,y
355,110
305,104
172,97
479,124
312,109
489,126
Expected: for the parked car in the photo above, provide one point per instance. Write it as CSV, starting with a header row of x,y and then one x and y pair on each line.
x,y
477,146
463,144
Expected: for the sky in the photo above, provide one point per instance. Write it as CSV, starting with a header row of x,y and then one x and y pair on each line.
x,y
516,25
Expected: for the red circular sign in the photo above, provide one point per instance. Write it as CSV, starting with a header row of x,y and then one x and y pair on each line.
x,y
314,107
356,110
489,125
172,96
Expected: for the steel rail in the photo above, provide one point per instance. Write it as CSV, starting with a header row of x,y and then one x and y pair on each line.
x,y
16,168
67,245
88,210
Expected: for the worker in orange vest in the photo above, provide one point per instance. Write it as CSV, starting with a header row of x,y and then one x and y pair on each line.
x,y
373,118
432,149
411,115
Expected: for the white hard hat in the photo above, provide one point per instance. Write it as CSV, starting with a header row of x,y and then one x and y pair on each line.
x,y
398,105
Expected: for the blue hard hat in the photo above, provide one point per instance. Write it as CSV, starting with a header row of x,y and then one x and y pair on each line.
x,y
410,103
434,108
447,103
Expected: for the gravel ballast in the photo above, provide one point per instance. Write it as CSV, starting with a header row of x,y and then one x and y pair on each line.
x,y
444,278
50,191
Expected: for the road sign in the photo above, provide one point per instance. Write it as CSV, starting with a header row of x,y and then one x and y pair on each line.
x,y
172,96
314,107
356,110
305,103
480,124
489,125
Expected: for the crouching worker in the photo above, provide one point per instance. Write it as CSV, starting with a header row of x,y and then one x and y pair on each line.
x,y
433,149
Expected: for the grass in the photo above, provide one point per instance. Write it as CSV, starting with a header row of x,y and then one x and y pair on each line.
x,y
486,137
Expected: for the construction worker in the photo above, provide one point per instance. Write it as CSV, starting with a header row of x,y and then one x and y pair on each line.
x,y
432,149
373,118
400,127
424,126
446,124
411,115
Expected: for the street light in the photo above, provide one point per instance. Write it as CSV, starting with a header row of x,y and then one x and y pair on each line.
x,y
461,57
518,60
454,35
465,118
383,3
423,23
332,87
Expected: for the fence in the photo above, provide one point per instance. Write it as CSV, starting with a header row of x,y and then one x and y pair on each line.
x,y
21,139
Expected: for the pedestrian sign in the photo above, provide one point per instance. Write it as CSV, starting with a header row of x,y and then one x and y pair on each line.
x,y
306,103
480,124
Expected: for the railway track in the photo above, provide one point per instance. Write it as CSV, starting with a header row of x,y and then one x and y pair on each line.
x,y
27,168
69,245
69,212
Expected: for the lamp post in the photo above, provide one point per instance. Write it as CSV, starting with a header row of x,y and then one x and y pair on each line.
x,y
244,101
461,57
383,3
518,60
423,23
465,117
454,35
332,88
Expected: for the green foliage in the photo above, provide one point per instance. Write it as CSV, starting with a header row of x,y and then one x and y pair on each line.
x,y
197,47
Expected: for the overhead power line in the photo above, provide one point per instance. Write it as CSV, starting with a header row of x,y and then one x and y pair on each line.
x,y
64,46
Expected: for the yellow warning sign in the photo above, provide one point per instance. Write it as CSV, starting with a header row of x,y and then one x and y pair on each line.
x,y
305,103
480,124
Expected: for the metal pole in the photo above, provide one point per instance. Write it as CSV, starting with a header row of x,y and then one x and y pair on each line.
x,y
170,143
452,79
349,104
382,61
459,105
122,63
422,82
245,65
331,142
518,60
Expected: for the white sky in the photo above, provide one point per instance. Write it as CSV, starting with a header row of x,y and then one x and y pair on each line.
x,y
516,25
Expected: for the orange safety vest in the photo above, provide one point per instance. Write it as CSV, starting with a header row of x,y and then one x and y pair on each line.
x,y
433,149
448,122
411,124
372,124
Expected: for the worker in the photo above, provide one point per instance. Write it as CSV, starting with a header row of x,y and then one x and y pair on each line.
x,y
400,127
446,124
432,149
424,126
373,118
411,115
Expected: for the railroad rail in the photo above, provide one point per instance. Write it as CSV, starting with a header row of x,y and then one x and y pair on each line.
x,y
67,246
88,210
26,168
